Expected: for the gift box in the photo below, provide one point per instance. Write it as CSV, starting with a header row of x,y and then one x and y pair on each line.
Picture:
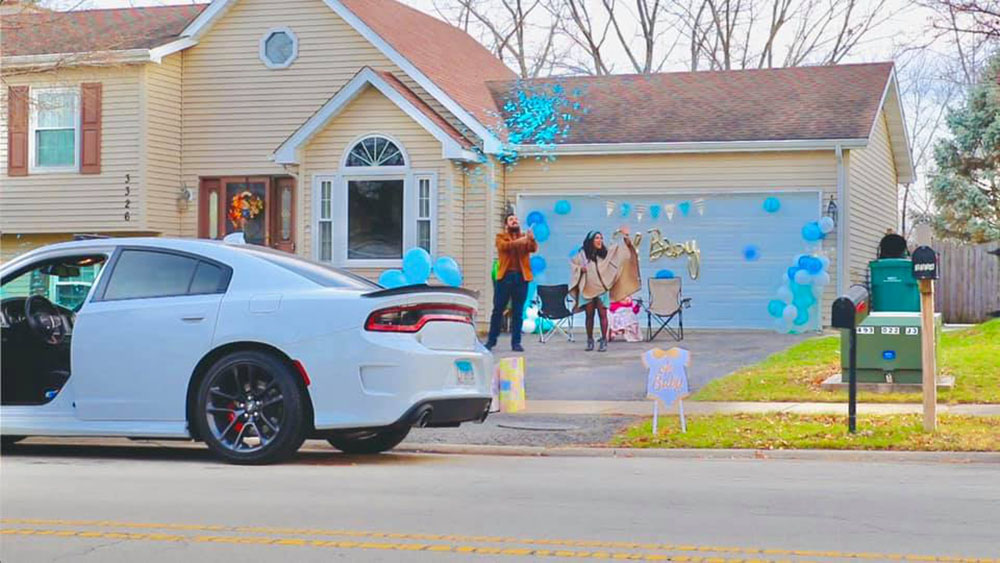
x,y
509,384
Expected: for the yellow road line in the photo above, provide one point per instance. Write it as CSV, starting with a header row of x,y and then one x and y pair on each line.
x,y
458,538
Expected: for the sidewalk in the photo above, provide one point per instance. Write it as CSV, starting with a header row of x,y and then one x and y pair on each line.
x,y
645,408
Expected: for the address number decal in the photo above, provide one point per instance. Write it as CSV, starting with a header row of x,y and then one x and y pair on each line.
x,y
912,331
890,330
866,330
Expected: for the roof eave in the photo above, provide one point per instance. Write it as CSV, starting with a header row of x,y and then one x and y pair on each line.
x,y
902,153
580,149
92,58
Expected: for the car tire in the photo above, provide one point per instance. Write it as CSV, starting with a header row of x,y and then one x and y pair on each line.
x,y
7,441
371,442
250,409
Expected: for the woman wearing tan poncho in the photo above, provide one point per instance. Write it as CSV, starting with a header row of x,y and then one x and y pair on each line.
x,y
597,271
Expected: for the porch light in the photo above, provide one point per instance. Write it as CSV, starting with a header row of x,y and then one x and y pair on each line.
x,y
831,210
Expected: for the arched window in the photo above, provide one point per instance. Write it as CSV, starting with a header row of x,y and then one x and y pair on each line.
x,y
375,151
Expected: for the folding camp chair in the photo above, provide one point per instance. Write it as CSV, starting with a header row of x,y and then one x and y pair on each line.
x,y
553,308
666,303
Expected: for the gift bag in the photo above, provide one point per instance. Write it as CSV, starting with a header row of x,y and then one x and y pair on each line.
x,y
509,384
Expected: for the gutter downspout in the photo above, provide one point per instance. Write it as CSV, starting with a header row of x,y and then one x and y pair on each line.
x,y
842,269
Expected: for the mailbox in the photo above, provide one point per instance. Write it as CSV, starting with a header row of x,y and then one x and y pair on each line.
x,y
925,263
850,309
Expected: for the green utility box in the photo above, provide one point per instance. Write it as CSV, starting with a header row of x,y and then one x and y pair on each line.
x,y
893,286
889,348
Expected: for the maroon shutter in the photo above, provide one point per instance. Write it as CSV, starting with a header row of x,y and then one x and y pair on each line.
x,y
17,131
90,128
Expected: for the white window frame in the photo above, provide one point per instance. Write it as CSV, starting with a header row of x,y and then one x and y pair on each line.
x,y
33,167
263,47
431,217
339,181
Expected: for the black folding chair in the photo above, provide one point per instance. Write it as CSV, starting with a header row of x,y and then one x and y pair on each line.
x,y
666,303
553,308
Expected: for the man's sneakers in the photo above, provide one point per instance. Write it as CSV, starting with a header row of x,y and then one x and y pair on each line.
x,y
517,348
490,346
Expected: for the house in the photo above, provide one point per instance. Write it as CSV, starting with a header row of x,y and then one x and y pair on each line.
x,y
351,130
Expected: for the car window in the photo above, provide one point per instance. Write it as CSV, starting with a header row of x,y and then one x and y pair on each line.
x,y
316,272
63,281
140,273
208,278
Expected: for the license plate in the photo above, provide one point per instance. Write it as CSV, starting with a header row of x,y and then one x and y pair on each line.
x,y
465,373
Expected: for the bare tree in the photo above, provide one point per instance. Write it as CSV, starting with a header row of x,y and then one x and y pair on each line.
x,y
974,17
639,30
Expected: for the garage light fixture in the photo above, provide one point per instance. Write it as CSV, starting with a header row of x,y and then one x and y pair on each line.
x,y
831,210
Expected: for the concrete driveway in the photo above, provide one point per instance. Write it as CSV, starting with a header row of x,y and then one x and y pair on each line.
x,y
561,370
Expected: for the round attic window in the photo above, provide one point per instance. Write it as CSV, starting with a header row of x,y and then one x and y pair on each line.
x,y
279,47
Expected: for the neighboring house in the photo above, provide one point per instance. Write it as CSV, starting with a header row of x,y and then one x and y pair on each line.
x,y
356,129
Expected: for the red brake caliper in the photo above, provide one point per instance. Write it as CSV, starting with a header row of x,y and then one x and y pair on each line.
x,y
231,416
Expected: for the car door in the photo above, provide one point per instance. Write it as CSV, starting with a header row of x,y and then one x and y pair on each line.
x,y
137,342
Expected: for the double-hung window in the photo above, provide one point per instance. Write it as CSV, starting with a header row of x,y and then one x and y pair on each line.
x,y
54,134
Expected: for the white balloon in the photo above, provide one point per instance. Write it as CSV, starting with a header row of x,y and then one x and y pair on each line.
x,y
528,326
790,312
817,290
821,279
802,277
825,261
785,294
531,313
825,225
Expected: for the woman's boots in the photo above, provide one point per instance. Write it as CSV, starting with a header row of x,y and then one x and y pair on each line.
x,y
590,345
602,345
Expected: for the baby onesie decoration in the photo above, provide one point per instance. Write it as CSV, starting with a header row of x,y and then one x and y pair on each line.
x,y
667,380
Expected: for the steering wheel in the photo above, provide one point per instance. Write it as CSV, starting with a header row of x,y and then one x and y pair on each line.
x,y
44,320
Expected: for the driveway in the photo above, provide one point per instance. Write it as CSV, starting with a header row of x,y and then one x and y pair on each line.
x,y
562,370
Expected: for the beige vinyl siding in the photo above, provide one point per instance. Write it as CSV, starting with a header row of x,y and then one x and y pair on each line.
x,y
372,113
237,111
680,173
73,202
162,154
873,196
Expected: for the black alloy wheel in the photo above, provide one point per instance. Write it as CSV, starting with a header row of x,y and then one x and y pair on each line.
x,y
250,409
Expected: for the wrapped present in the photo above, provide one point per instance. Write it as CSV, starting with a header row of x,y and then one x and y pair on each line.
x,y
509,380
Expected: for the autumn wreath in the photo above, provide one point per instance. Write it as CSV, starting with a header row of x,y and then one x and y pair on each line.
x,y
245,206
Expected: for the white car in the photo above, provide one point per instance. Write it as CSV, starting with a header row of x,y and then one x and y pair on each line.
x,y
247,349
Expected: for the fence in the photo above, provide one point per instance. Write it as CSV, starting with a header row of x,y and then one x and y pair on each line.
x,y
968,289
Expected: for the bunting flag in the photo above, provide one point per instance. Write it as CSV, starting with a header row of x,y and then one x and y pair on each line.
x,y
610,206
699,205
669,209
640,210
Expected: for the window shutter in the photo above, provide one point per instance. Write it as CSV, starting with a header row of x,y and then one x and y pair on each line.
x,y
90,128
17,131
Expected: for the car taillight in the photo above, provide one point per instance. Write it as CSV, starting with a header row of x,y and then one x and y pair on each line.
x,y
412,318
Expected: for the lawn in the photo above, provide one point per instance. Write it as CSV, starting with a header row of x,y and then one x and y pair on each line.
x,y
972,356
775,431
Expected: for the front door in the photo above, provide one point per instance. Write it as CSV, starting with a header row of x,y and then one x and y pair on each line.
x,y
261,207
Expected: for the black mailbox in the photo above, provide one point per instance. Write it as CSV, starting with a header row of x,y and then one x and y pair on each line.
x,y
925,263
851,308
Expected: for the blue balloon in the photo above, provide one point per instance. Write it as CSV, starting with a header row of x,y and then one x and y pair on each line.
x,y
811,232
654,211
446,269
563,207
775,308
542,232
792,271
665,275
416,266
392,279
772,204
684,207
814,266
802,318
537,264
535,218
751,253
803,296
626,209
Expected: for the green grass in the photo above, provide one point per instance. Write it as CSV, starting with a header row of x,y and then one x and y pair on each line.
x,y
775,431
972,356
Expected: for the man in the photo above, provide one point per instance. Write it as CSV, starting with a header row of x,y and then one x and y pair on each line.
x,y
514,249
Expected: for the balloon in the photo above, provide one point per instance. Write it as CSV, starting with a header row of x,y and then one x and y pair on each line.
x,y
825,261
416,265
803,298
531,313
751,253
792,271
802,318
775,308
811,232
665,275
535,218
654,211
785,294
542,232
814,265
684,207
817,290
826,225
528,326
772,204
562,207
446,269
626,209
789,313
537,264
541,278
392,279
802,277
821,279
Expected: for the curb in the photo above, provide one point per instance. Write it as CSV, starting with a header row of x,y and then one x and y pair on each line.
x,y
707,454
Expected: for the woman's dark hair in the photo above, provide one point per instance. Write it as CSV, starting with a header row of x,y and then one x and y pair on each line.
x,y
590,251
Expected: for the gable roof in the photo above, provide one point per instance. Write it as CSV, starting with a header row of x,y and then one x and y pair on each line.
x,y
453,144
87,31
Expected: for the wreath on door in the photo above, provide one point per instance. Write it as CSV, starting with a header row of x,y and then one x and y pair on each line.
x,y
244,207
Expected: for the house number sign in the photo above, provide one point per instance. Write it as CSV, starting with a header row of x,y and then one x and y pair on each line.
x,y
128,200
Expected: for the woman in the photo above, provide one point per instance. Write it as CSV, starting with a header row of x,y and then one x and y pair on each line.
x,y
598,271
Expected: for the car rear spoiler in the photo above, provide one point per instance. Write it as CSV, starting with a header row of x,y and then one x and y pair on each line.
x,y
423,288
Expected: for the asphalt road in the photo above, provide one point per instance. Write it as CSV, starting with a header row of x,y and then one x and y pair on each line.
x,y
131,503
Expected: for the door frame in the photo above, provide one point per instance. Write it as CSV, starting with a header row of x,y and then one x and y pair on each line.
x,y
272,221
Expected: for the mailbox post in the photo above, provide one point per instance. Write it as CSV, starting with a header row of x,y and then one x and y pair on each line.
x,y
848,312
925,270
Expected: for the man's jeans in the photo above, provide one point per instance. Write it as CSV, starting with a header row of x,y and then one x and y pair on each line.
x,y
511,288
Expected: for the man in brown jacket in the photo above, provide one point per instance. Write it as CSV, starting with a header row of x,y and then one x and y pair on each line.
x,y
514,250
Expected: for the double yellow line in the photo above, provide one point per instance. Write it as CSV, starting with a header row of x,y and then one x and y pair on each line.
x,y
442,543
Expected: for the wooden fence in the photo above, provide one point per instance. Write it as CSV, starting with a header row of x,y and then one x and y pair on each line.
x,y
968,288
